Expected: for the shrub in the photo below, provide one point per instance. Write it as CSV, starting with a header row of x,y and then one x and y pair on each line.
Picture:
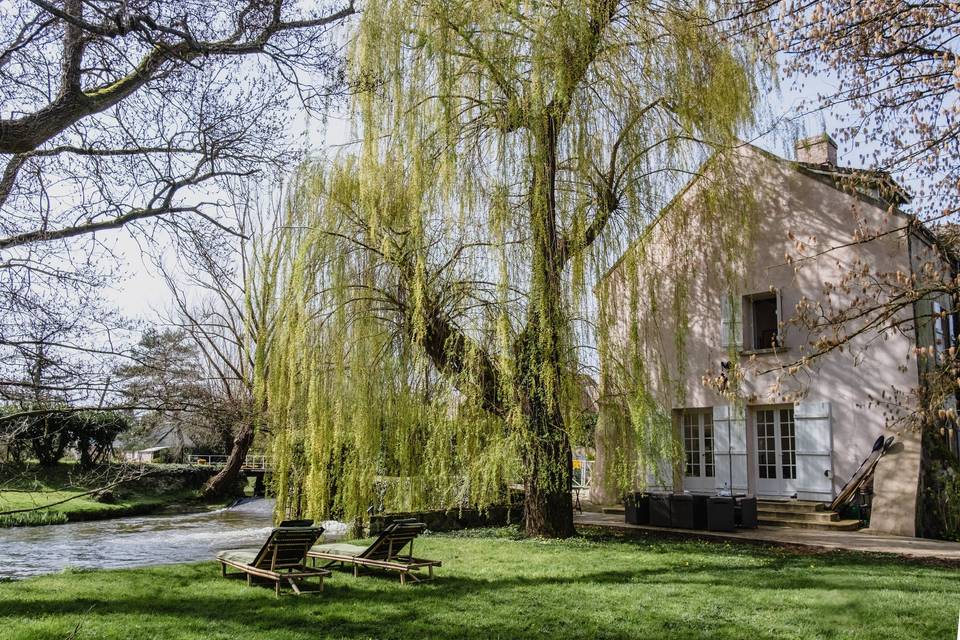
x,y
31,518
47,432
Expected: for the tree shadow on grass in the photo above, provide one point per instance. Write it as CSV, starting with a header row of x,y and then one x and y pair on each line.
x,y
453,606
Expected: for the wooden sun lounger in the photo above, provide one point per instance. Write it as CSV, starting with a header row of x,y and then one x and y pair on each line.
x,y
281,559
384,553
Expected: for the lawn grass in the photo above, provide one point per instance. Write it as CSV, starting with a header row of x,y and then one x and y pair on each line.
x,y
495,586
62,487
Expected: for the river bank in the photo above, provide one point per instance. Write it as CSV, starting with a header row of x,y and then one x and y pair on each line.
x,y
35,496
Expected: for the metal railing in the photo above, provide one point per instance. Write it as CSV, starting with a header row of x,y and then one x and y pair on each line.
x,y
582,473
251,462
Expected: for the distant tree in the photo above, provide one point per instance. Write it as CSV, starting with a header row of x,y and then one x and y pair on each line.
x,y
57,352
46,432
176,394
228,309
137,115
94,433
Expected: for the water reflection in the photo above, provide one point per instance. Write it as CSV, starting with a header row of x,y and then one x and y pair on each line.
x,y
138,541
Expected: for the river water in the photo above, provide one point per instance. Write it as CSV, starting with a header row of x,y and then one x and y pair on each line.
x,y
138,541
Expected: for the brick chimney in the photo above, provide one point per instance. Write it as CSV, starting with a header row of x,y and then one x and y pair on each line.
x,y
818,149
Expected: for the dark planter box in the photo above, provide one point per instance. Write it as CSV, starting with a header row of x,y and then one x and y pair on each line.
x,y
746,512
637,508
681,511
660,509
699,511
720,514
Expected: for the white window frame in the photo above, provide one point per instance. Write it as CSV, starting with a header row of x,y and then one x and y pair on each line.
x,y
706,457
782,483
737,321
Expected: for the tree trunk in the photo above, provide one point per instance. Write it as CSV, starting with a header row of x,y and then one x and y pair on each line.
x,y
548,508
225,483
547,458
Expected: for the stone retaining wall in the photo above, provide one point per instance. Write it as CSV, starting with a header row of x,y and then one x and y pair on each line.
x,y
453,519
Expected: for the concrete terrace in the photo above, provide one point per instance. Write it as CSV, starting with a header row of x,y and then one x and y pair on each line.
x,y
862,541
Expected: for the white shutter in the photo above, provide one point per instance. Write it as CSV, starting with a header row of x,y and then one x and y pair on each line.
x,y
730,447
814,451
721,443
731,321
738,446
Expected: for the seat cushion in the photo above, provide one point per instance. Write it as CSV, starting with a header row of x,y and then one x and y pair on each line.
x,y
339,549
240,556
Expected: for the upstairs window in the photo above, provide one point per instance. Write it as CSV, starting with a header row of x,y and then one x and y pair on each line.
x,y
752,322
766,321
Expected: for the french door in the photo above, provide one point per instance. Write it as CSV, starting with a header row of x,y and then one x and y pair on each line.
x,y
776,450
699,468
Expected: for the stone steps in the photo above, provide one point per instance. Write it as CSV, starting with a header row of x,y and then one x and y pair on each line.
x,y
830,525
793,506
804,516
800,514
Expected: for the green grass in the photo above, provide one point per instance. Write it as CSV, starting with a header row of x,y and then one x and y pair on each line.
x,y
80,508
37,487
493,586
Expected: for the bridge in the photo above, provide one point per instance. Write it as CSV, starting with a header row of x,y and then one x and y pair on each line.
x,y
256,466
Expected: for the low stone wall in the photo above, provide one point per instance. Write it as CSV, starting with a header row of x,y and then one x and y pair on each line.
x,y
163,478
453,519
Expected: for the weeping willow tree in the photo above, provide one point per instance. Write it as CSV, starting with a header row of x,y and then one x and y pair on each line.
x,y
436,296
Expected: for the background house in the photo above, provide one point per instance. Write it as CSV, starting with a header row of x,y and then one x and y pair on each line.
x,y
156,444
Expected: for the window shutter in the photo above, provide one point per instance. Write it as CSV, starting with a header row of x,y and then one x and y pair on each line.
x,y
781,321
814,450
730,448
738,447
721,443
731,321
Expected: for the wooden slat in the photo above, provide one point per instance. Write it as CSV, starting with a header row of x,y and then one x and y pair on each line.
x,y
385,552
303,571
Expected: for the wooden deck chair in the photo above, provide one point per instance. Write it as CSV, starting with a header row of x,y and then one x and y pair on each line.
x,y
383,553
281,559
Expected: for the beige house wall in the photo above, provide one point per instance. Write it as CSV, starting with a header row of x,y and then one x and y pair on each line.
x,y
690,260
